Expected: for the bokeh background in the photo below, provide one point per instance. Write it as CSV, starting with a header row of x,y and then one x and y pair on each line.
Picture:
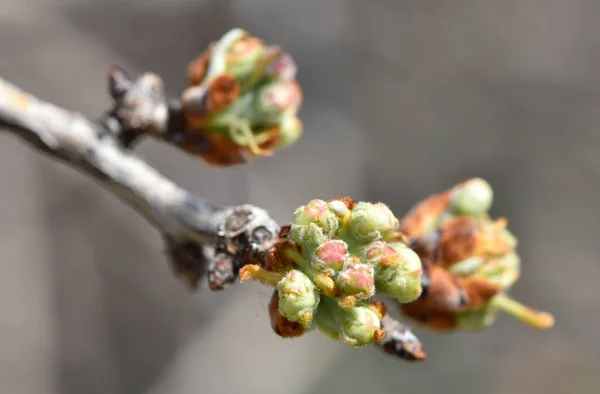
x,y
402,99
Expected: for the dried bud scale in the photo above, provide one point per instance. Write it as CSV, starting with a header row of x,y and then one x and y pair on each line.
x,y
280,325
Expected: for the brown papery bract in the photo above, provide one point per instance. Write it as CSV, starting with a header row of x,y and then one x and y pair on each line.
x,y
479,290
424,215
222,92
282,326
198,67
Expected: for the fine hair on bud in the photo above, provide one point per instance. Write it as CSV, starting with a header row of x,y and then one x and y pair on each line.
x,y
317,212
381,254
330,256
309,236
356,279
359,326
372,222
403,280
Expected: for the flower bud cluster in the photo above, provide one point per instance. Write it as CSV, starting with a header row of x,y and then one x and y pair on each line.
x,y
470,261
351,252
241,101
343,253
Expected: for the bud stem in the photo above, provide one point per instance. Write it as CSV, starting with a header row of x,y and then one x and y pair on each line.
x,y
321,280
256,272
538,320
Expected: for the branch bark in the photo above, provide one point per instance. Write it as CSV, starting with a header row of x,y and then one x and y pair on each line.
x,y
194,230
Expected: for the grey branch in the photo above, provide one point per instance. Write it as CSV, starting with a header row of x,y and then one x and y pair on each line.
x,y
202,240
200,237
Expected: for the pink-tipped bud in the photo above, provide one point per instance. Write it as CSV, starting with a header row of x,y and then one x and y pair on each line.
x,y
282,67
379,253
275,99
330,256
357,280
317,212
311,212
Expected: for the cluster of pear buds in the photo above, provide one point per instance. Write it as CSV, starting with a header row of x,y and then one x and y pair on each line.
x,y
330,263
469,260
241,101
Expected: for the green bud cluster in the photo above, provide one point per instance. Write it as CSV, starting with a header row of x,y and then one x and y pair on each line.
x,y
473,198
350,254
262,114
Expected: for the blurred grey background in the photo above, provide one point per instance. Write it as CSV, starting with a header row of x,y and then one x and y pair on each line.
x,y
402,99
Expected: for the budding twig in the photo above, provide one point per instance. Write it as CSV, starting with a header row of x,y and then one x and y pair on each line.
x,y
200,236
202,239
336,256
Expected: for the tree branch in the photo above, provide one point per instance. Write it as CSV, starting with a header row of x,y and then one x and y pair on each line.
x,y
200,237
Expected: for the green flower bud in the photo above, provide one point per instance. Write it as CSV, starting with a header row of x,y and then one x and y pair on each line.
x,y
473,197
359,326
356,280
330,256
244,57
403,280
317,212
275,99
503,271
298,298
282,67
311,212
290,130
339,208
379,253
309,236
467,267
372,222
477,319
